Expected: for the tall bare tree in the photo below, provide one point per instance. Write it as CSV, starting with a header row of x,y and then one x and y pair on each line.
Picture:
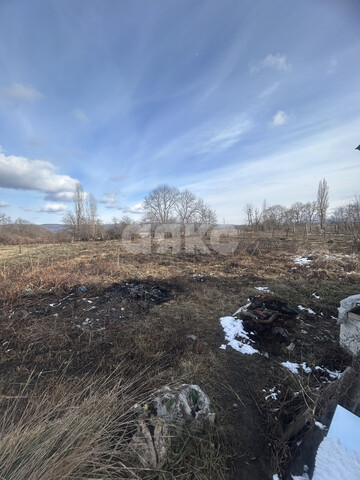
x,y
4,220
249,212
310,209
75,221
322,201
79,210
160,204
186,207
205,215
91,215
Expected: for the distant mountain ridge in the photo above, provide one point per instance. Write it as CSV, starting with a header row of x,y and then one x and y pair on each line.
x,y
53,227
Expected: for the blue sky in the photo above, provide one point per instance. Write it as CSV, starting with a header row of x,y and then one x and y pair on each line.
x,y
236,100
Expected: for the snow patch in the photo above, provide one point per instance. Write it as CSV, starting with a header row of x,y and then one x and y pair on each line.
x,y
234,329
294,367
334,375
264,289
305,261
321,426
309,310
273,393
335,462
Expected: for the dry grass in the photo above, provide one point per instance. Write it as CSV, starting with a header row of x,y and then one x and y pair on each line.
x,y
72,418
70,430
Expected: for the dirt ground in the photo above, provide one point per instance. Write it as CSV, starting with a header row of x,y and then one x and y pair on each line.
x,y
72,310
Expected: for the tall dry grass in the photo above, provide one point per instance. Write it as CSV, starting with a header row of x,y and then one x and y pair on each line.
x,y
72,430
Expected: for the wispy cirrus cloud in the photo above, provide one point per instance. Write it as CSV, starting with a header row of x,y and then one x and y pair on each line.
x,y
21,93
118,178
80,115
224,136
277,62
332,67
267,92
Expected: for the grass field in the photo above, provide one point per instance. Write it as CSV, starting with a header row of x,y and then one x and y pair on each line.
x,y
74,362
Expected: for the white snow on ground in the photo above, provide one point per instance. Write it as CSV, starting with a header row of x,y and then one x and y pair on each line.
x,y
335,462
300,307
294,367
333,375
338,456
264,289
306,368
273,393
243,308
303,261
321,426
316,296
233,329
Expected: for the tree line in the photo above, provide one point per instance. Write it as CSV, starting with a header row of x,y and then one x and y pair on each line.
x,y
166,204
163,205
275,216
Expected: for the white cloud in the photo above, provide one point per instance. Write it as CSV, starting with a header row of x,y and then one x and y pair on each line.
x,y
137,209
276,62
4,204
223,137
286,176
60,197
332,67
22,173
280,118
54,207
119,178
80,115
109,197
21,92
268,91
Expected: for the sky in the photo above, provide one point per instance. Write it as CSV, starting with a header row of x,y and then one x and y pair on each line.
x,y
237,101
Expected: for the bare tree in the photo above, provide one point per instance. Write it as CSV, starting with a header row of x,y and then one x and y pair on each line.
x,y
205,215
91,215
249,212
4,220
273,216
322,201
257,218
118,225
186,207
298,213
310,210
75,222
160,204
79,197
21,225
